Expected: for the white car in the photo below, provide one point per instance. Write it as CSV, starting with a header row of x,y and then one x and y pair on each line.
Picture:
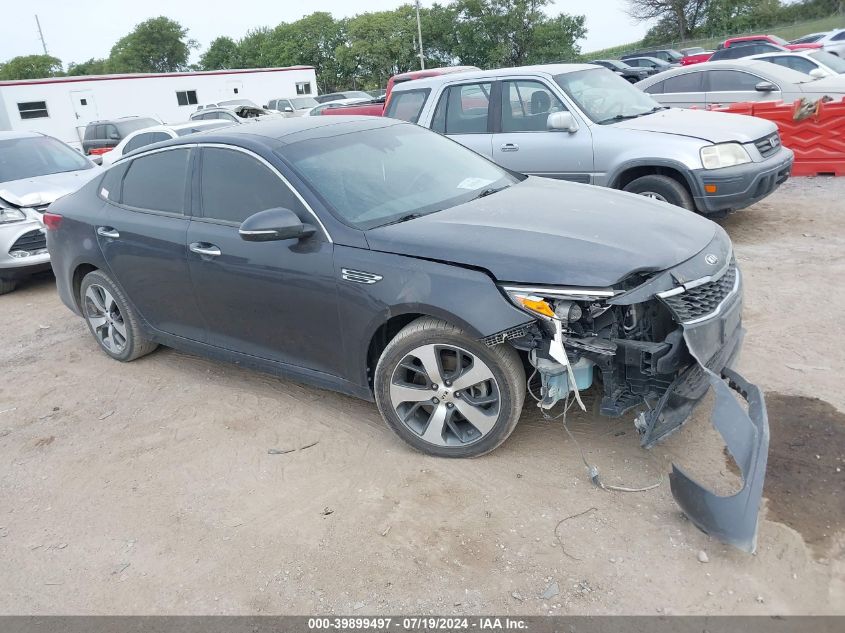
x,y
229,103
234,114
35,170
294,107
156,134
814,62
318,110
832,41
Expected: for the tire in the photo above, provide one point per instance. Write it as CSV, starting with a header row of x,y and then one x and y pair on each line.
x,y
494,403
115,328
7,285
662,188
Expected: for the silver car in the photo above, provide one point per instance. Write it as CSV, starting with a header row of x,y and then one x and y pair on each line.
x,y
35,170
293,107
832,41
583,123
735,81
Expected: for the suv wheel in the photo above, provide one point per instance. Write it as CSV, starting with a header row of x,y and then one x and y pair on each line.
x,y
662,188
7,285
448,394
111,319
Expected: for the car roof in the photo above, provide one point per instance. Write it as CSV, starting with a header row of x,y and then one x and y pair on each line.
x,y
759,66
4,136
539,69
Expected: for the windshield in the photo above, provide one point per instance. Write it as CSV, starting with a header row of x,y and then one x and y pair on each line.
x,y
37,156
357,94
778,40
606,97
836,64
237,102
809,39
374,177
301,103
136,124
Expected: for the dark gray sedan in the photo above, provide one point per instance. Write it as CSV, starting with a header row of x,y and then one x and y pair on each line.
x,y
385,261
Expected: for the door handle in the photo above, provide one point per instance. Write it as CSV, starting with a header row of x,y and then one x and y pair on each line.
x,y
107,231
510,147
204,248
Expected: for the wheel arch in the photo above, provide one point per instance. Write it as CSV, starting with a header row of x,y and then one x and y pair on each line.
x,y
628,172
79,273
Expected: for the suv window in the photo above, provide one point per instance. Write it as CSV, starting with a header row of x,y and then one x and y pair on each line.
x,y
732,81
234,186
656,89
688,82
795,62
407,106
145,138
157,181
463,109
110,132
526,106
838,37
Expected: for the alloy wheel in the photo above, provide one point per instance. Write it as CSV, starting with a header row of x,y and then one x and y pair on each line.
x,y
653,196
105,318
445,394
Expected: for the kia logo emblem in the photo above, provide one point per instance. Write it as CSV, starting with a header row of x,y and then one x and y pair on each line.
x,y
711,259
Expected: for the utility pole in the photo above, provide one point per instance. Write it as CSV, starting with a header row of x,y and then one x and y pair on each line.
x,y
41,35
419,34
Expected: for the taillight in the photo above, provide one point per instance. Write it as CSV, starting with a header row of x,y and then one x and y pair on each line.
x,y
52,221
99,151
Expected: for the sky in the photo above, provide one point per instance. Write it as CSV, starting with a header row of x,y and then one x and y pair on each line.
x,y
76,30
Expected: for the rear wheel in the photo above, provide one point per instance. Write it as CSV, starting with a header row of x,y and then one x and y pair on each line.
x,y
663,188
7,285
111,320
447,394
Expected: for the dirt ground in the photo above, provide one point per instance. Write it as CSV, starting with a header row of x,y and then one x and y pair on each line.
x,y
148,488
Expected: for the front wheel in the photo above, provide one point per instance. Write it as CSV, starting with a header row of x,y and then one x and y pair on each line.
x,y
7,285
662,188
447,394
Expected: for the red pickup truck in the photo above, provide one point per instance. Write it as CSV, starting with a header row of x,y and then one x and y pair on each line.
x,y
376,106
771,39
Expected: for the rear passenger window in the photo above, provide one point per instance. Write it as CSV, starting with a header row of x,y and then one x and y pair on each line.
x,y
157,182
407,106
112,182
689,82
656,89
147,138
234,186
463,110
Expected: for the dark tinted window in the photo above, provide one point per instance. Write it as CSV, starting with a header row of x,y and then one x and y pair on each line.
x,y
463,110
407,106
795,62
732,81
688,82
90,132
526,106
33,110
110,132
186,97
145,138
112,182
839,37
157,181
235,185
656,89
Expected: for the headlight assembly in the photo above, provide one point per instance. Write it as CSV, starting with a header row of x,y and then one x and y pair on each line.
x,y
550,303
7,216
724,155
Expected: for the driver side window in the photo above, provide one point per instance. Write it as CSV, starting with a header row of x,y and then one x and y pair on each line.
x,y
526,106
234,186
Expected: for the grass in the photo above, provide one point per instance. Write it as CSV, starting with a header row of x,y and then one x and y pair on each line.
x,y
786,31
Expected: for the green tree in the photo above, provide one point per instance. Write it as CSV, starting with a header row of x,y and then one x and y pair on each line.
x,y
222,53
682,16
156,45
251,49
556,40
91,67
31,67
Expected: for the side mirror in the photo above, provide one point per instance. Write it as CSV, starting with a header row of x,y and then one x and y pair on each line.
x,y
818,73
562,121
765,86
273,225
288,109
114,136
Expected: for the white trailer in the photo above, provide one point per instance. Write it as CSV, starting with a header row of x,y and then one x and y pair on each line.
x,y
63,106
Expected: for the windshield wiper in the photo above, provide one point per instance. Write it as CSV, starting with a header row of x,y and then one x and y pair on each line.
x,y
625,117
489,192
403,218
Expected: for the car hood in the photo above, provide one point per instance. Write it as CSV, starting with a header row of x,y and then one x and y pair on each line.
x,y
715,127
833,84
43,190
543,231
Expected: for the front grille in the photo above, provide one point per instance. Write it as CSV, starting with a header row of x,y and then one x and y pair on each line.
x,y
705,300
768,145
32,241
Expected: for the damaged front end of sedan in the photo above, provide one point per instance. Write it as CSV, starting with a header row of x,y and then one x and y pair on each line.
x,y
658,343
